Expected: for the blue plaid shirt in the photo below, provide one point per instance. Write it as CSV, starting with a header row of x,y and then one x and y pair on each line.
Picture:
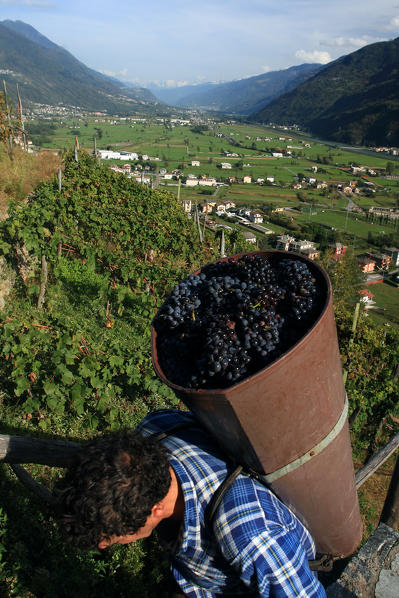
x,y
257,546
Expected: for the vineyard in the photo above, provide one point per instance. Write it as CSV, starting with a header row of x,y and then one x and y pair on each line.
x,y
87,261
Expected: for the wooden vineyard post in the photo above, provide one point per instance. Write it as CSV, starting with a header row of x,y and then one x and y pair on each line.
x,y
222,244
390,511
43,283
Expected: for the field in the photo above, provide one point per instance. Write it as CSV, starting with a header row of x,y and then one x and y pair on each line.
x,y
387,298
248,149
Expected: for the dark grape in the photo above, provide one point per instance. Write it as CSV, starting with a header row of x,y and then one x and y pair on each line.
x,y
233,318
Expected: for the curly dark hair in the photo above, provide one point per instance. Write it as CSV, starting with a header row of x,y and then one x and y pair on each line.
x,y
111,487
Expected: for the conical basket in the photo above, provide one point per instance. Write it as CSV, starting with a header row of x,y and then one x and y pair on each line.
x,y
289,422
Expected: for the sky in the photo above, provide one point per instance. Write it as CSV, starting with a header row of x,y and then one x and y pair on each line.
x,y
179,42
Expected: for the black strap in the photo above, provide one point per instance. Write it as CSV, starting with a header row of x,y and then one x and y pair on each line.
x,y
219,494
163,435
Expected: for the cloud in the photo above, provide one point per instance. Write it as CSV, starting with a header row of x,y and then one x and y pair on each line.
x,y
315,56
121,73
350,42
266,69
29,3
393,23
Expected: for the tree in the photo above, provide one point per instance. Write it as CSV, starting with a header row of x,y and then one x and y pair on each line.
x,y
346,277
389,167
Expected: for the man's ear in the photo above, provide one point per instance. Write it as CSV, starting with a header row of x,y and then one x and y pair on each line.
x,y
158,510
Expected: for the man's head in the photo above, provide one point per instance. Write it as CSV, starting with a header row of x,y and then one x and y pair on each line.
x,y
112,487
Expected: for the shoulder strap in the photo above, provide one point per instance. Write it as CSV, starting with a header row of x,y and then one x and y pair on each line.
x,y
219,494
176,428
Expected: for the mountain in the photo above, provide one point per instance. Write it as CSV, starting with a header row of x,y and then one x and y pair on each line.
x,y
355,99
48,74
174,95
238,97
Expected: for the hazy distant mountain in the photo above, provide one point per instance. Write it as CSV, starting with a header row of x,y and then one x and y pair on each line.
x,y
49,74
174,95
355,99
238,97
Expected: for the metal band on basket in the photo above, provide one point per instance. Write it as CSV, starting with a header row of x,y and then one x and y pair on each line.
x,y
282,471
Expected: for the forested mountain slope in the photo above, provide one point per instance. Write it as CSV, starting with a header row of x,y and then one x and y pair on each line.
x,y
239,97
48,74
353,100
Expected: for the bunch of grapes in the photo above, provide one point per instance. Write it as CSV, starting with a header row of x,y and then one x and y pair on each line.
x,y
232,319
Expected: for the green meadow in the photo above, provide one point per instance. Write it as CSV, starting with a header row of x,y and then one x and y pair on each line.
x,y
176,145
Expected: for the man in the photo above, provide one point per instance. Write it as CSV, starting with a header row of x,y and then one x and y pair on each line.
x,y
124,486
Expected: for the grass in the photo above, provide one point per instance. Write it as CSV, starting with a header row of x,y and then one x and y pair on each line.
x,y
338,219
386,297
19,176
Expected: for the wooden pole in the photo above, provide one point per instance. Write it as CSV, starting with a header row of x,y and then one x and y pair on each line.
x,y
371,466
59,180
76,150
21,120
198,222
222,247
205,219
10,137
43,283
41,492
354,323
20,449
390,511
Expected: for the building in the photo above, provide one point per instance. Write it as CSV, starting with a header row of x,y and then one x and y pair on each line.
x,y
393,253
256,217
338,249
247,179
288,243
302,245
111,155
283,242
225,165
186,203
195,163
250,237
191,182
382,261
205,208
366,264
229,204
208,182
367,298
311,253
388,212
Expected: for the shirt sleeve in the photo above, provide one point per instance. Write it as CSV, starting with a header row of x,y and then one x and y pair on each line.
x,y
277,565
266,544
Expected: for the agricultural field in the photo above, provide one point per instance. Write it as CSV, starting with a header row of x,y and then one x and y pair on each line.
x,y
387,300
248,149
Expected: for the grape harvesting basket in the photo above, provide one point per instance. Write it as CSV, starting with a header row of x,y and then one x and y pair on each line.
x,y
288,421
